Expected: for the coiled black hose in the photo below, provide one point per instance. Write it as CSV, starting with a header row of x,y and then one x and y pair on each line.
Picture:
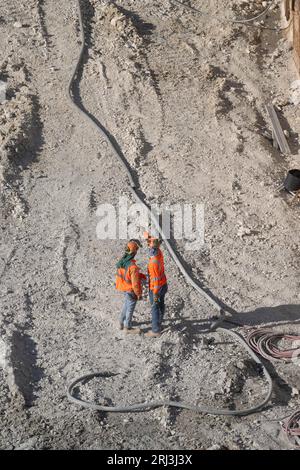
x,y
264,342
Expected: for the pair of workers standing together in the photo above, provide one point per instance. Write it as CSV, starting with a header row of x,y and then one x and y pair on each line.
x,y
129,280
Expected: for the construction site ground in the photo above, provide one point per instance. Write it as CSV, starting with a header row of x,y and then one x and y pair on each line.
x,y
183,92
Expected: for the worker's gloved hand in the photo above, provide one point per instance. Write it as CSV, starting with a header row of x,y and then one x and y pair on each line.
x,y
156,298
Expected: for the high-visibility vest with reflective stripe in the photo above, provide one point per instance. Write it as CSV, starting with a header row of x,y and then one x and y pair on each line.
x,y
156,270
123,279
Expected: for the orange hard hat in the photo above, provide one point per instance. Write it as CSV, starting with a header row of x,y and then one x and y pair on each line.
x,y
133,246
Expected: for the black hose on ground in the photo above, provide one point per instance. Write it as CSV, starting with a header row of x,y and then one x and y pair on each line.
x,y
145,406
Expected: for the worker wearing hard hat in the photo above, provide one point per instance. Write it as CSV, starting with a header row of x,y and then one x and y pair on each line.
x,y
128,280
158,286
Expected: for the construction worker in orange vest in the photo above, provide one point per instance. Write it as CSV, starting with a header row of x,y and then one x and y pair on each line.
x,y
158,286
128,280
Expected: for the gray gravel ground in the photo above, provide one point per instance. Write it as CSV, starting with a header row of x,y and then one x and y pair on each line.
x,y
183,93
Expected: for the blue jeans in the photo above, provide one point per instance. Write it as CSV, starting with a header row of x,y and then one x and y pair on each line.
x,y
158,308
128,309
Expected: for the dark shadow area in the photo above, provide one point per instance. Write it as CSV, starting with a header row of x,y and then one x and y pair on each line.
x,y
270,316
147,146
282,391
266,317
92,200
27,151
239,88
4,78
35,141
24,362
143,28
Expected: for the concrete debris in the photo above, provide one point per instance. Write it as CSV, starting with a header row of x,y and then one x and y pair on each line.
x,y
17,127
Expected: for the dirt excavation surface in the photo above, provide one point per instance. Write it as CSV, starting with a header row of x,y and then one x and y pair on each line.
x,y
183,92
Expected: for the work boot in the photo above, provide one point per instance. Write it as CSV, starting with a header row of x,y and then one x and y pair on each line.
x,y
132,331
151,334
121,326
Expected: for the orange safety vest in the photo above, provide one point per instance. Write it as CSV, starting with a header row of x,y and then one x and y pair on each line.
x,y
156,270
128,280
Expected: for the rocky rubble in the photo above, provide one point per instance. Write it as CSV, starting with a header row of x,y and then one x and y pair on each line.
x,y
118,24
16,129
128,69
183,94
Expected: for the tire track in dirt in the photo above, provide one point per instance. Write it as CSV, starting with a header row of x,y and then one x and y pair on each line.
x,y
40,5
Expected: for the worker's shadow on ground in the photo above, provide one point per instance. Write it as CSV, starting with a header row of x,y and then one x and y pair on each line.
x,y
262,316
270,316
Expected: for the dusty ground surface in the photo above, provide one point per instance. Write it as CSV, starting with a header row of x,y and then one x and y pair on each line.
x,y
183,93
